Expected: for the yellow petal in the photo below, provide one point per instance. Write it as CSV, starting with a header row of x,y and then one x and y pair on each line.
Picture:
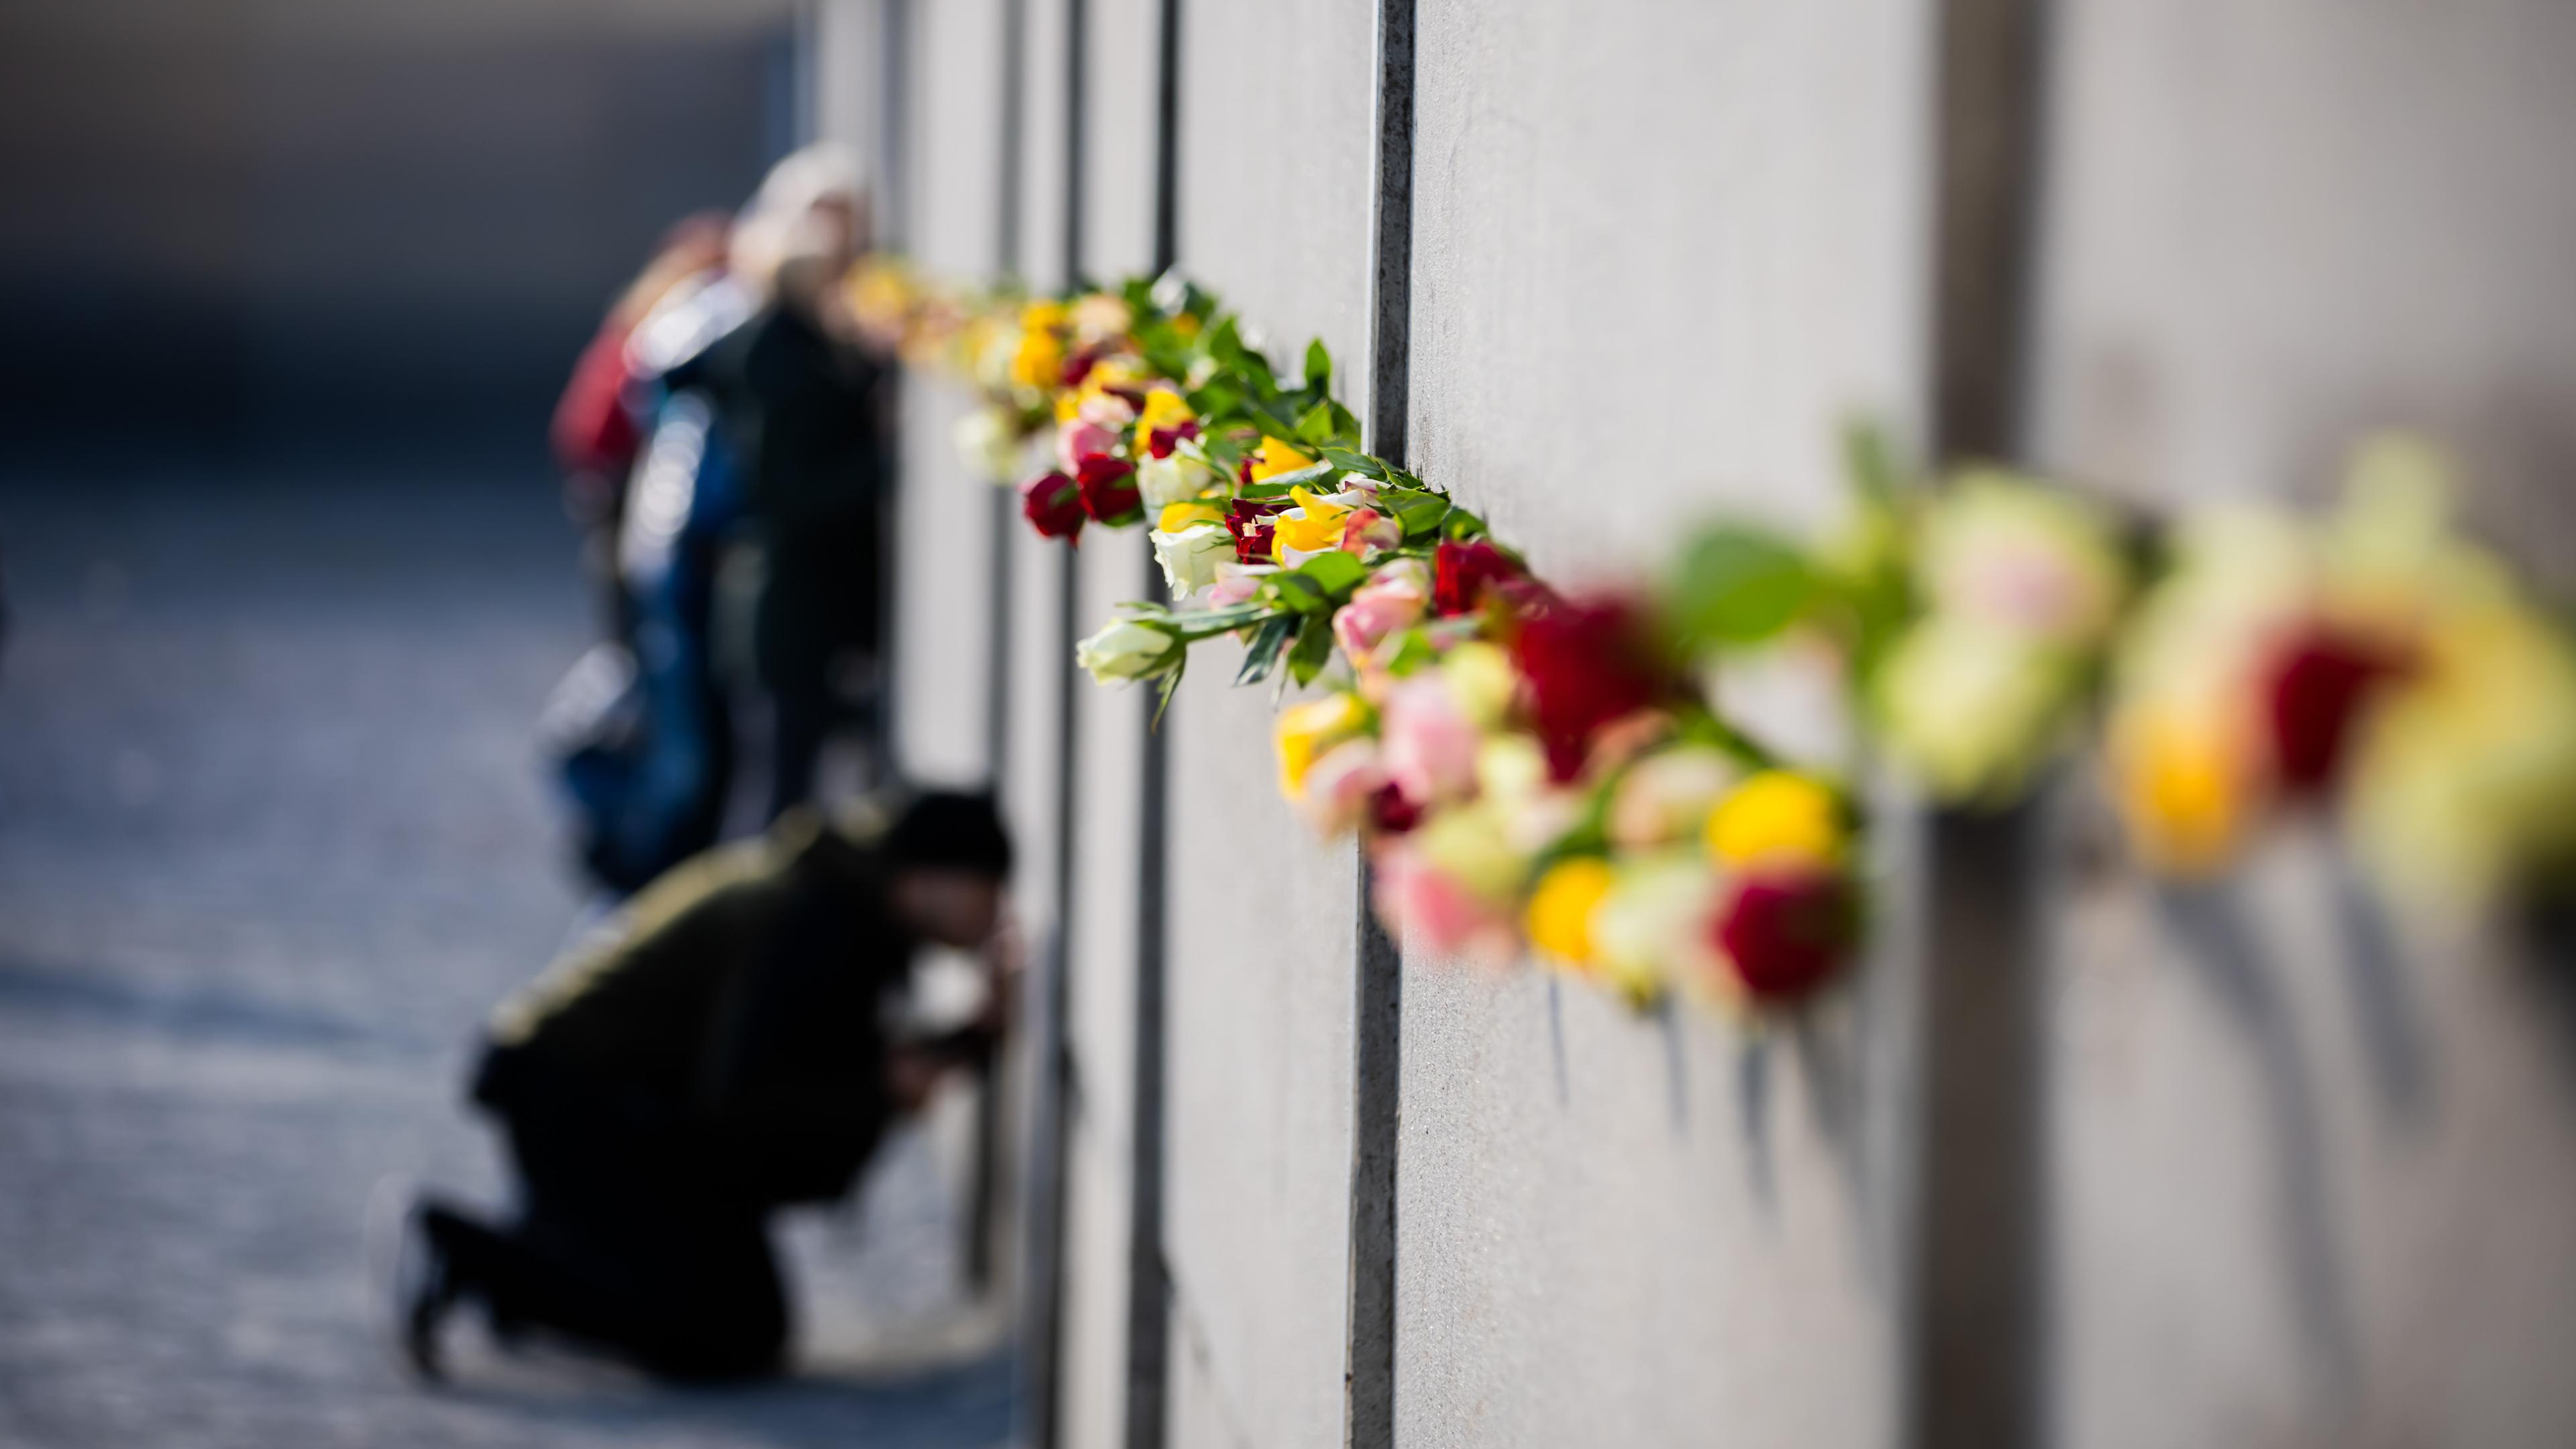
x,y
2181,789
1777,814
1178,516
1163,408
1560,910
1305,731
1277,456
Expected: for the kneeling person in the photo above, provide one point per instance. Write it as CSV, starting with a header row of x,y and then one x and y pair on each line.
x,y
713,1053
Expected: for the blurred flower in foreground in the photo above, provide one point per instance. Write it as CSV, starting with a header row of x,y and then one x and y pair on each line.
x,y
1590,663
989,442
2022,585
2372,662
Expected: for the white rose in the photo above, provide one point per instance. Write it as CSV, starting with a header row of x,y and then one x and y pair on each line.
x,y
1189,557
1125,650
989,444
1162,482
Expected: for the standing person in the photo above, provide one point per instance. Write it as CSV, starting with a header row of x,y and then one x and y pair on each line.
x,y
714,1053
642,727
804,402
596,432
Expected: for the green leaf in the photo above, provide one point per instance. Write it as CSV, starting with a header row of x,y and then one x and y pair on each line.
x,y
1268,643
1336,573
1405,653
1739,586
1871,463
1315,426
1225,343
1344,424
1352,461
1218,400
1270,422
1460,525
1314,647
1319,365
1420,513
1297,591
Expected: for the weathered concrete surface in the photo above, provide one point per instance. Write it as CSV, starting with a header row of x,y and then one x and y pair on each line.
x,y
1658,255
2312,1179
273,838
942,560
1275,175
1116,184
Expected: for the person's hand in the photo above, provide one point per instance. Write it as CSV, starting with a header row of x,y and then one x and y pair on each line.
x,y
1005,969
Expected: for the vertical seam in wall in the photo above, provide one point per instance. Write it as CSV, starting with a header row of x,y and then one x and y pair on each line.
x,y
1377,1022
1976,1370
983,1194
1148,1293
1058,1062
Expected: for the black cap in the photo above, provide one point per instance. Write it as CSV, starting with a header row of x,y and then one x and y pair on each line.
x,y
950,830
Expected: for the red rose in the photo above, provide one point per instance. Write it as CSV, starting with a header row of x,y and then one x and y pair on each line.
x,y
1589,662
1248,519
1160,441
1785,934
1391,813
1461,572
1078,366
2314,687
1053,506
1107,485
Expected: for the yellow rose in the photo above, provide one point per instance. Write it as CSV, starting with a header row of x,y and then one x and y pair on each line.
x,y
2179,777
1039,361
1314,526
1560,910
1775,815
1163,408
1178,516
1277,456
1305,731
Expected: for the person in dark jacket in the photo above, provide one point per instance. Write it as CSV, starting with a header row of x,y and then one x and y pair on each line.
x,y
709,1055
804,400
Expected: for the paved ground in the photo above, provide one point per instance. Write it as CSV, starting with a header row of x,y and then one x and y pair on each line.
x,y
272,838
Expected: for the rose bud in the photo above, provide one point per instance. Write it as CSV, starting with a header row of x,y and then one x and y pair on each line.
x,y
2315,684
1461,572
1589,663
1249,520
1108,487
1052,504
1785,933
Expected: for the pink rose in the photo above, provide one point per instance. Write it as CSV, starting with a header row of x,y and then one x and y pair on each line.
x,y
1422,905
1430,743
1080,439
1236,584
1366,531
1393,600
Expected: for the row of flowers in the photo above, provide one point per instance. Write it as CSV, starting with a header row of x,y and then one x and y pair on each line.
x,y
1537,768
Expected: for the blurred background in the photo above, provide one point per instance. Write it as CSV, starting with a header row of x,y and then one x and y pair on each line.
x,y
257,225
289,288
